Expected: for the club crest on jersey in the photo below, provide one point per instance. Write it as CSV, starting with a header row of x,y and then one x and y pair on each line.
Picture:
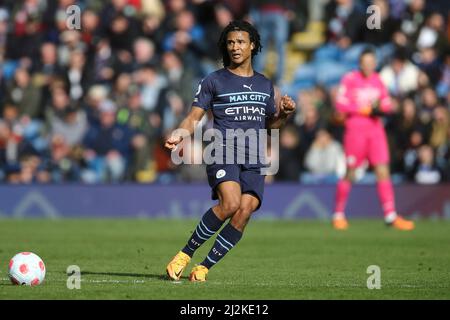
x,y
220,174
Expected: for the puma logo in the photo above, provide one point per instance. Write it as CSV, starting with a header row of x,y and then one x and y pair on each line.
x,y
248,87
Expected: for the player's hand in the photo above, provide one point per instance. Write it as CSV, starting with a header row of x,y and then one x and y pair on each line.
x,y
173,141
376,109
365,111
373,110
287,105
377,113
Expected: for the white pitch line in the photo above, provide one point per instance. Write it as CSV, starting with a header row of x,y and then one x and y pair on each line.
x,y
89,280
298,286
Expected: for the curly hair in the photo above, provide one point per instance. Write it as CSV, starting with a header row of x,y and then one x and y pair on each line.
x,y
238,25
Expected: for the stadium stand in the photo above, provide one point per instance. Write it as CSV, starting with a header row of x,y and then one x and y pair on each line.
x,y
94,104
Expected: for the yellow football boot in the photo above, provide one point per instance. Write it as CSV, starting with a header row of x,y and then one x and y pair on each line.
x,y
176,267
198,273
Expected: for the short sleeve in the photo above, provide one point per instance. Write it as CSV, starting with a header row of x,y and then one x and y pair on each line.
x,y
270,106
204,95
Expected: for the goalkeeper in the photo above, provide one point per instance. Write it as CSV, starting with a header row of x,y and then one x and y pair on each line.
x,y
363,99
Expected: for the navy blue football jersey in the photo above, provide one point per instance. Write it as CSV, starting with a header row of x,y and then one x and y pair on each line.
x,y
236,102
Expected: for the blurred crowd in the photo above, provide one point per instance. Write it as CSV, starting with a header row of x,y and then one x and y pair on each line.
x,y
94,103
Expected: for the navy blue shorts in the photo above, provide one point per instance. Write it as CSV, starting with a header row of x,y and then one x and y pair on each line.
x,y
250,179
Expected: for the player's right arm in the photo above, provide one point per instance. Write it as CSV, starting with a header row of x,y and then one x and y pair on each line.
x,y
186,127
202,103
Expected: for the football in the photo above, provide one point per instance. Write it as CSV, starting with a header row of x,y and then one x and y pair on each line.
x,y
26,268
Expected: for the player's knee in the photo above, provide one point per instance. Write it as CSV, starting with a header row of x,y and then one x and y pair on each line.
x,y
350,174
246,209
382,172
240,220
229,207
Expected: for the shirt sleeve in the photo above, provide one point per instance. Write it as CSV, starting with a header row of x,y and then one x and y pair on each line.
x,y
270,106
204,95
344,101
385,99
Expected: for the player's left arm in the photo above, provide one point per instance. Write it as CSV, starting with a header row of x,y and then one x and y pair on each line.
x,y
386,104
282,108
286,107
383,105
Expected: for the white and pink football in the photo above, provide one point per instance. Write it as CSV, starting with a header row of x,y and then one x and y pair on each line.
x,y
26,268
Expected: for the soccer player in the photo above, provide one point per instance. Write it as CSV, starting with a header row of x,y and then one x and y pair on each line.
x,y
239,98
363,99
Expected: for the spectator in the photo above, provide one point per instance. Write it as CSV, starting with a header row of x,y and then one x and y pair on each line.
x,y
290,155
428,102
123,83
325,160
137,119
78,75
427,60
432,33
271,20
425,170
440,128
121,34
400,130
153,86
71,126
96,96
60,102
310,126
24,94
344,22
411,155
45,71
107,147
187,40
413,19
4,19
27,34
151,28
222,16
153,8
144,53
63,165
401,77
90,32
179,77
104,63
443,86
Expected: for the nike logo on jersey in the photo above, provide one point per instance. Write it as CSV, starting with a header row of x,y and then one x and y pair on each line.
x,y
248,87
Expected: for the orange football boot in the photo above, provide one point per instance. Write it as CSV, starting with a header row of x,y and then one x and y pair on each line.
x,y
402,224
177,265
340,223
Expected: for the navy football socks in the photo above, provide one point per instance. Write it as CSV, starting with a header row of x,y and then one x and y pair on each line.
x,y
225,241
207,227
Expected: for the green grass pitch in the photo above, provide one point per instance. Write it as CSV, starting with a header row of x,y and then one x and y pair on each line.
x,y
126,259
